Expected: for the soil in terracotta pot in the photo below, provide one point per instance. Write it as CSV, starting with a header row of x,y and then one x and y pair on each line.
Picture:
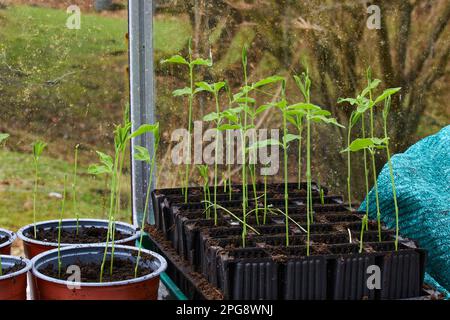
x,y
17,267
85,235
3,240
123,270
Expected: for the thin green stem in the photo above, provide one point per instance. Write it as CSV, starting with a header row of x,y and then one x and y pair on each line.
x,y
191,102
300,130
366,173
349,167
111,210
394,191
372,153
308,182
36,178
60,226
144,217
216,160
74,189
265,200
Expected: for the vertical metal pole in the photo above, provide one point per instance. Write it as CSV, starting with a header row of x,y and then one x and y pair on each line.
x,y
142,99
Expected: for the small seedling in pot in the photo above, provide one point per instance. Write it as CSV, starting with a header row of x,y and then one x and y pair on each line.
x,y
297,122
190,63
3,138
215,117
321,192
204,173
74,188
239,119
369,145
142,154
313,114
364,226
111,167
386,110
38,148
63,205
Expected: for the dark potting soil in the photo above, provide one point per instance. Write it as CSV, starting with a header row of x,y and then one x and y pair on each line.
x,y
3,240
123,269
85,235
17,267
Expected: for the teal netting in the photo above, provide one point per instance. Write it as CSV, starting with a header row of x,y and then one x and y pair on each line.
x,y
422,180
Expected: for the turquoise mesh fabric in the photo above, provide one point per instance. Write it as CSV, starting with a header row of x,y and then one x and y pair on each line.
x,y
422,179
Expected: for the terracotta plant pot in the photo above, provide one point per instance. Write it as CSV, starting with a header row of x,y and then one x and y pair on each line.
x,y
14,286
34,247
141,288
5,247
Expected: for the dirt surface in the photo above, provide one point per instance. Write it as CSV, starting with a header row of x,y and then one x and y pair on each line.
x,y
15,268
85,235
90,272
3,240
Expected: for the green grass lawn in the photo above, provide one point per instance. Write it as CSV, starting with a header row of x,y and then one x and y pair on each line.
x,y
16,191
35,48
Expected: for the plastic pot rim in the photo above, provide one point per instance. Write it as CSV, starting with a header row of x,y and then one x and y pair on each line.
x,y
36,273
28,266
11,235
23,237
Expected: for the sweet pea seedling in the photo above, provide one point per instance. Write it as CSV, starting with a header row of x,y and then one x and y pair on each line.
x,y
63,205
313,114
142,154
113,168
38,149
190,63
204,174
3,138
216,117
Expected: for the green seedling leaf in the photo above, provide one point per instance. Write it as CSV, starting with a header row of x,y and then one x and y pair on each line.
x,y
293,120
320,118
38,148
290,137
387,108
349,100
182,92
146,128
225,127
219,86
142,154
267,81
204,86
177,59
303,106
354,118
98,169
202,62
262,108
321,112
263,144
360,144
3,137
213,116
245,100
387,93
372,86
106,160
363,105
204,172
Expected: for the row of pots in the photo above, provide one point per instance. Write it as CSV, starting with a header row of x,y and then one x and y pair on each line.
x,y
41,255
